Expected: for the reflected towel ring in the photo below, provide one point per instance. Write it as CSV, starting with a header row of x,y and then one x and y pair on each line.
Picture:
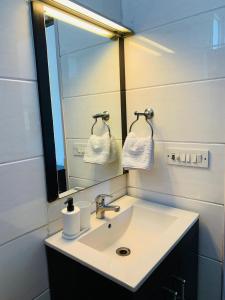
x,y
148,114
105,117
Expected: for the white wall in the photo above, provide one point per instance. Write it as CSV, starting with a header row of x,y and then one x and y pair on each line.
x,y
178,52
25,217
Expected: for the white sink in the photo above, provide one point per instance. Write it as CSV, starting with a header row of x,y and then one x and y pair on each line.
x,y
138,228
150,231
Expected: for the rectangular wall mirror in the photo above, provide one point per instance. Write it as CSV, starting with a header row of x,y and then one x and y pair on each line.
x,y
81,81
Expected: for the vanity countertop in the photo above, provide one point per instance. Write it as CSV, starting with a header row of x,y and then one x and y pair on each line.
x,y
149,230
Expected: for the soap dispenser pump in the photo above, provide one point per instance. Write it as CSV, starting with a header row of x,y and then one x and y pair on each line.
x,y
71,220
70,206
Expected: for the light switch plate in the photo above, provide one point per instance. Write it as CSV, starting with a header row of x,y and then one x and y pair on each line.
x,y
174,156
79,149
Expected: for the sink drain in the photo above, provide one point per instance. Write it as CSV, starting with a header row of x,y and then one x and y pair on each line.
x,y
123,251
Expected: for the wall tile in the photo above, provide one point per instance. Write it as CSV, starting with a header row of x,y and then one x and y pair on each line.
x,y
210,279
78,168
145,14
25,269
20,127
195,183
115,186
211,235
91,71
78,112
192,112
23,198
55,226
188,50
16,51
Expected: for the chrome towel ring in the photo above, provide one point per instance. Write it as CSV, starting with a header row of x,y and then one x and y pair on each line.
x,y
105,117
148,114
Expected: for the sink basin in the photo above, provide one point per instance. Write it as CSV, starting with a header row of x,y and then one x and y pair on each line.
x,y
127,246
138,228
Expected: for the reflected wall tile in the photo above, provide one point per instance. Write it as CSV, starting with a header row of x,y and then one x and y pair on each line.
x,y
72,39
78,168
91,71
78,112
81,182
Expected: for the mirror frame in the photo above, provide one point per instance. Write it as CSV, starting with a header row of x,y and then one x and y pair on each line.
x,y
40,45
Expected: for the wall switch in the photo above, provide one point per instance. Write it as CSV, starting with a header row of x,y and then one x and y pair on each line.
x,y
194,158
79,149
199,158
188,157
183,157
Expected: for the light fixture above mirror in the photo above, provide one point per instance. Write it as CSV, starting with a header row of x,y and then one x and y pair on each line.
x,y
79,16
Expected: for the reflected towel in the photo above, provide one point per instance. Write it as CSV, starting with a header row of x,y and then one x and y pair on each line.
x,y
100,149
138,152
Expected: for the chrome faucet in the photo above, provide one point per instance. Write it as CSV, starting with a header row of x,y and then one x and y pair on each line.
x,y
101,207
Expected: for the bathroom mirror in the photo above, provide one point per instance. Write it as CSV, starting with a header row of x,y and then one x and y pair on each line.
x,y
81,82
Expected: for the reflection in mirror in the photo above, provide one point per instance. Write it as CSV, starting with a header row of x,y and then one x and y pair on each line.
x,y
84,75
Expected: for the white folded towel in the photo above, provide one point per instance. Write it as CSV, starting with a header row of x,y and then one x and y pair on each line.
x,y
100,149
138,152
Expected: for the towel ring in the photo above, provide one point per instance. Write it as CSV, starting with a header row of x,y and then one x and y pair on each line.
x,y
148,114
105,117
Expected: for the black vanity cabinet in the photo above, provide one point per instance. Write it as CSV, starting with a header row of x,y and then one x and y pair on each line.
x,y
178,272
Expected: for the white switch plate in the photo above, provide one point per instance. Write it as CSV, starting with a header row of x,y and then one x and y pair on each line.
x,y
79,149
174,155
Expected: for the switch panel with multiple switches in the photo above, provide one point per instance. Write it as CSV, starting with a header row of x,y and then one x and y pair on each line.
x,y
188,157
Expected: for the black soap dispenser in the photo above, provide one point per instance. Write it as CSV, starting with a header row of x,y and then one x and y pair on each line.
x,y
71,220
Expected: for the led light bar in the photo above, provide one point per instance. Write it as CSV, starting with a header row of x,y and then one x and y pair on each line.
x,y
83,16
75,21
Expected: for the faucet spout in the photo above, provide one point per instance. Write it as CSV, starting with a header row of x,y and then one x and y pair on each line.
x,y
115,208
101,208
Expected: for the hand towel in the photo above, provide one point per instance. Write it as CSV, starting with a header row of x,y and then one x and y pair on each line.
x,y
100,149
138,152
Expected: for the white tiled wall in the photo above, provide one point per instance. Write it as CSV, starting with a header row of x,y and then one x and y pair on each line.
x,y
24,212
178,53
144,14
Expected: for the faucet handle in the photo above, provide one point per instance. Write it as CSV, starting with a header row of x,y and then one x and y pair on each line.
x,y
100,199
